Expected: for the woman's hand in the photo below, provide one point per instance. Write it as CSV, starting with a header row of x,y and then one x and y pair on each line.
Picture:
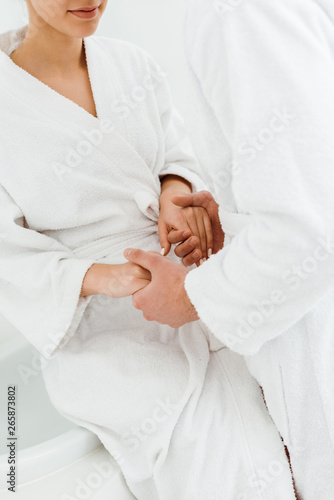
x,y
126,279
116,281
205,200
192,221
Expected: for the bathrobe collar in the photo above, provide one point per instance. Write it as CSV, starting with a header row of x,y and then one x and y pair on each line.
x,y
22,87
40,96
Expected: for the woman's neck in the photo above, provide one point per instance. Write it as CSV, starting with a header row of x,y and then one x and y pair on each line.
x,y
49,50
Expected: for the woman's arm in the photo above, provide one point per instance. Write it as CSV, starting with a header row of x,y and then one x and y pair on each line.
x,y
174,184
41,281
116,281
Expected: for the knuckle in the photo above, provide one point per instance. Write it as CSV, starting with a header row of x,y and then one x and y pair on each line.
x,y
136,303
135,253
207,195
196,256
178,252
195,240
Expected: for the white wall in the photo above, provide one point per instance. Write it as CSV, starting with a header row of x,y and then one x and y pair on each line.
x,y
155,25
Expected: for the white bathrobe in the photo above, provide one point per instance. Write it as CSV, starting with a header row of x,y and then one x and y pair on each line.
x,y
262,80
177,410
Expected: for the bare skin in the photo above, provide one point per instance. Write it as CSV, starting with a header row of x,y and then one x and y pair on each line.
x,y
53,50
192,224
204,200
73,83
115,280
165,299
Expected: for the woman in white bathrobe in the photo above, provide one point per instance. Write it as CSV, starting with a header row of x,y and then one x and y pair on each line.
x,y
82,158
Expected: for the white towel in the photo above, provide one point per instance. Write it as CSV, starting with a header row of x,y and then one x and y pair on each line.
x,y
183,418
262,75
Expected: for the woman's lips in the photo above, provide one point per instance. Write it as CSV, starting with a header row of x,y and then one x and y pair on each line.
x,y
85,12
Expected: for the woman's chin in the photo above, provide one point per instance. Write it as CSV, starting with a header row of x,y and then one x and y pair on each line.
x,y
82,30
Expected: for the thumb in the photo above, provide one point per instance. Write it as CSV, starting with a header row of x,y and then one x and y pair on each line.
x,y
201,199
163,234
147,260
183,200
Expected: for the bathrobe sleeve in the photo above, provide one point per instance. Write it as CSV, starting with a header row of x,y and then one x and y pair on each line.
x,y
40,282
266,69
179,157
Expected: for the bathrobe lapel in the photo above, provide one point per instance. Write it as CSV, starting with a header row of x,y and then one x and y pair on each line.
x,y
79,129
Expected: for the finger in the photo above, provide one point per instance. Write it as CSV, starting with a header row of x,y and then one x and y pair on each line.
x,y
192,258
202,233
200,199
148,260
163,234
144,273
177,236
209,233
138,299
199,232
192,222
140,284
187,247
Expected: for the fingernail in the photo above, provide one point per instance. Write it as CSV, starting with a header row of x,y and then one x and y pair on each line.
x,y
201,261
162,251
209,252
127,252
186,234
193,243
196,255
204,259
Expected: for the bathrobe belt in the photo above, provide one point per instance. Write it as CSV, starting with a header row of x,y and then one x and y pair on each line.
x,y
113,245
232,224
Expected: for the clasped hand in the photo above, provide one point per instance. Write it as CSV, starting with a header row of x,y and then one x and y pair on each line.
x,y
191,221
164,298
186,225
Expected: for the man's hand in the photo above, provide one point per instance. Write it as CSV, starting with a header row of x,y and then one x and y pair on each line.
x,y
192,221
164,300
205,200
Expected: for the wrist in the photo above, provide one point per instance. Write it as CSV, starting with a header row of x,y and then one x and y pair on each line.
x,y
97,279
171,189
173,184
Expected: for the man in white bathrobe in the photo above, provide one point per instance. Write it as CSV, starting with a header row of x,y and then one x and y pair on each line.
x,y
263,130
